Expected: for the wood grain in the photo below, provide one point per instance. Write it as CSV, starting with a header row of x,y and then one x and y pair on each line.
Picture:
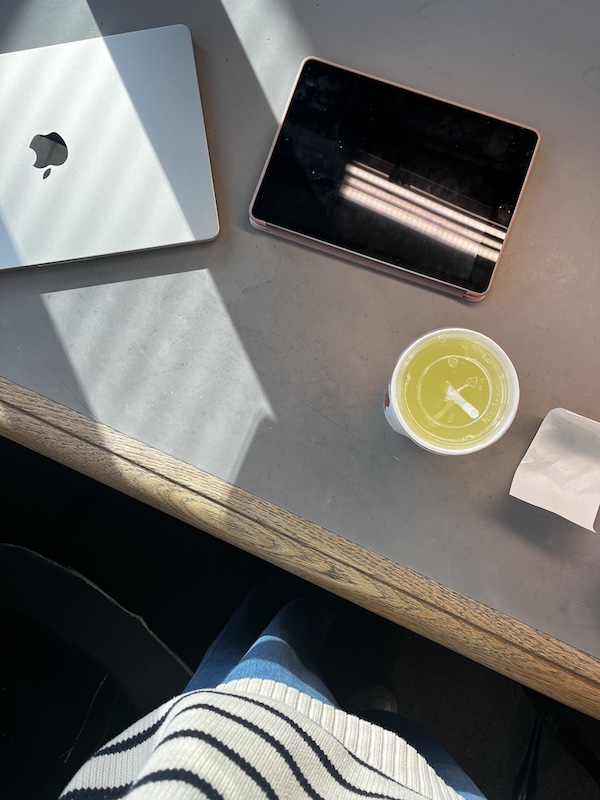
x,y
391,590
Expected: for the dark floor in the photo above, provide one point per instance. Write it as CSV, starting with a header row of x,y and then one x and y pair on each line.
x,y
184,584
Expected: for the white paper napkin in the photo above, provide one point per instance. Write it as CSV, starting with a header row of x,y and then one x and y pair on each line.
x,y
561,470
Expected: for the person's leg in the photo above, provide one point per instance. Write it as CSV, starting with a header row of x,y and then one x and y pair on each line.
x,y
288,648
431,750
242,629
283,645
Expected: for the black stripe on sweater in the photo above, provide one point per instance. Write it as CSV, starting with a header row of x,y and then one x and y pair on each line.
x,y
142,736
116,793
255,701
131,742
181,776
287,756
97,793
241,762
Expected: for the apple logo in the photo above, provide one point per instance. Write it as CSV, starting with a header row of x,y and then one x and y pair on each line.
x,y
50,149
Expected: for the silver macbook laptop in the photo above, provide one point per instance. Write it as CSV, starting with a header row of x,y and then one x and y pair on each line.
x,y
102,149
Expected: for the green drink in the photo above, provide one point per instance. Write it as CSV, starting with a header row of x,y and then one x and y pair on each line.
x,y
453,391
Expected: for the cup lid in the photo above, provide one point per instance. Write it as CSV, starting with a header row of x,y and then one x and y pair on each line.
x,y
455,390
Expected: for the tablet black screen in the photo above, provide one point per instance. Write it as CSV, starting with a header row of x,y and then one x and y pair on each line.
x,y
394,175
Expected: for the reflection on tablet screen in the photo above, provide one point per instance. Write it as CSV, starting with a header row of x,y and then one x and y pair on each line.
x,y
394,177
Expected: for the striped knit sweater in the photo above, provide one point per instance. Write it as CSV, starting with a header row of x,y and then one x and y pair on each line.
x,y
255,739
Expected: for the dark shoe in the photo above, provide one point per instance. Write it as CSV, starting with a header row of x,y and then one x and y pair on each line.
x,y
372,698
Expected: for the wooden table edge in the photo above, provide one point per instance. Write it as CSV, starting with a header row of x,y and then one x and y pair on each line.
x,y
414,601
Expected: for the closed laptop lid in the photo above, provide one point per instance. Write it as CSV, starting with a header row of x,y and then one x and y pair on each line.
x,y
102,149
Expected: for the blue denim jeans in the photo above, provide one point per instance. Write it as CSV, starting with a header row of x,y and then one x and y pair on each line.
x,y
431,750
277,634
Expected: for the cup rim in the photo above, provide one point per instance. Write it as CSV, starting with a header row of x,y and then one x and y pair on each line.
x,y
498,432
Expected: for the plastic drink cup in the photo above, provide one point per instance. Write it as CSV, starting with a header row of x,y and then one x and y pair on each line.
x,y
453,391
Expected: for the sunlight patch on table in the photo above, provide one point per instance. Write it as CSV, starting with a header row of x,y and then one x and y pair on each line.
x,y
272,39
159,359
